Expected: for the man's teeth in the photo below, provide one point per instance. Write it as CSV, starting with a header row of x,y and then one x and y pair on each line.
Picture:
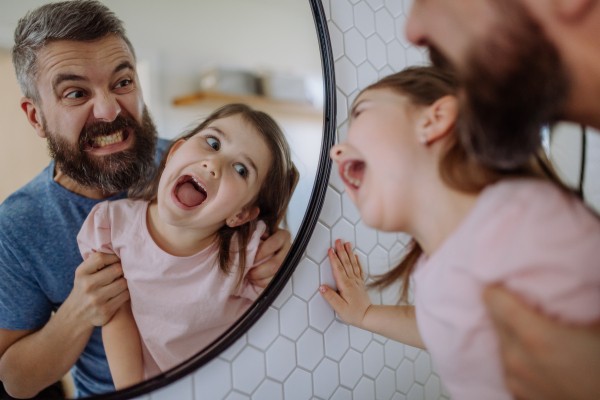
x,y
355,182
107,140
199,184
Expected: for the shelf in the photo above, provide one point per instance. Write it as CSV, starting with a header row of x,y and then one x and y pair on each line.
x,y
259,102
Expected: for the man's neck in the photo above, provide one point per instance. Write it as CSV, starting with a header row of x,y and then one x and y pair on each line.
x,y
72,186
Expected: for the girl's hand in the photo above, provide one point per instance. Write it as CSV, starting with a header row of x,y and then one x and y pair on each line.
x,y
352,302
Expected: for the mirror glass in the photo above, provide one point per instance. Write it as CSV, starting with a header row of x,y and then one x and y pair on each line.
x,y
192,57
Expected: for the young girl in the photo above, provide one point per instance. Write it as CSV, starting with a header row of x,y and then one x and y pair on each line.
x,y
406,170
187,240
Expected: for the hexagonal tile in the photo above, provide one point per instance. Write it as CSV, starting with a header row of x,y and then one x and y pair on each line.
x,y
342,107
378,262
327,274
335,181
342,394
422,367
268,390
359,338
337,40
366,238
391,294
407,6
305,280
310,349
364,262
376,52
432,388
379,338
385,72
237,396
213,381
181,389
285,294
298,386
326,379
375,4
365,390
320,242
414,56
327,9
445,391
401,31
411,352
293,318
364,19
281,359
342,15
394,352
345,75
342,131
354,46
386,239
374,293
248,370
234,349
320,314
373,360
415,392
266,329
394,7
351,369
385,385
332,207
343,230
349,210
397,253
396,56
384,24
404,238
405,376
367,75
336,340
398,396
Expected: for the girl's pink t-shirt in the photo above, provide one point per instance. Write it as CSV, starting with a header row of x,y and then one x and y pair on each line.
x,y
180,304
526,235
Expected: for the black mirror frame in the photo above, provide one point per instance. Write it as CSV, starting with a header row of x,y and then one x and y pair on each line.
x,y
261,305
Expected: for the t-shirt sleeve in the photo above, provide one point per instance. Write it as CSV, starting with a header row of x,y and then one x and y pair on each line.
x,y
95,234
23,303
247,289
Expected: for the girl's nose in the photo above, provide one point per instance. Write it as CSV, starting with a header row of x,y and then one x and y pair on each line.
x,y
212,166
336,153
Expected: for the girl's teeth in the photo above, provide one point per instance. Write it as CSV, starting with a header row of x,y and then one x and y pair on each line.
x,y
107,140
354,182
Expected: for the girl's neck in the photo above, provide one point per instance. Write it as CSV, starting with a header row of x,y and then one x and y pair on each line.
x,y
177,241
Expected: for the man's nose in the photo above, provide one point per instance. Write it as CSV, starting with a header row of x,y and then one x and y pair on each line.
x,y
106,108
414,30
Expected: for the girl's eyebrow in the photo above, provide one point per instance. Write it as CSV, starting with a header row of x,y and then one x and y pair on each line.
x,y
221,133
353,109
249,160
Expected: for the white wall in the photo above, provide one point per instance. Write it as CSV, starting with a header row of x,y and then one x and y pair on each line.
x,y
299,349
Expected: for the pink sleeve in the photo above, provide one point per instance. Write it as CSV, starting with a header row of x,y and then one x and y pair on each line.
x,y
248,290
95,233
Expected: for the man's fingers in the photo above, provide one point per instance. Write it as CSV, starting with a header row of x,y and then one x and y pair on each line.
x,y
107,275
335,300
279,242
112,290
96,262
262,283
116,302
264,270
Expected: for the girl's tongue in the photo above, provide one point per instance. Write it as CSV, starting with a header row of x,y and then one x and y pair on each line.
x,y
190,195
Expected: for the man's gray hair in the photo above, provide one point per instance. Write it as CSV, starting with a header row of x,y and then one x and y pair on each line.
x,y
77,20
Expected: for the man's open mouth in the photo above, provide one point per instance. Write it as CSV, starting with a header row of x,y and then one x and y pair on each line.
x,y
352,172
114,138
189,191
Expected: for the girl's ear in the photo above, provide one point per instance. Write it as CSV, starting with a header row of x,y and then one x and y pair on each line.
x,y
246,215
437,120
175,147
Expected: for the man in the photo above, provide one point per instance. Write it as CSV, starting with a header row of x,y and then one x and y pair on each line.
x,y
524,63
77,71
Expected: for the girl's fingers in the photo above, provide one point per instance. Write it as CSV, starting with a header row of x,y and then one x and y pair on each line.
x,y
339,272
344,259
362,274
353,259
335,300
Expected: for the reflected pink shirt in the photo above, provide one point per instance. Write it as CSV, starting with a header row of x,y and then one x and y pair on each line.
x,y
526,235
180,304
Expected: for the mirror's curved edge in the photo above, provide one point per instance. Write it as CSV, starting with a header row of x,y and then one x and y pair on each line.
x,y
317,198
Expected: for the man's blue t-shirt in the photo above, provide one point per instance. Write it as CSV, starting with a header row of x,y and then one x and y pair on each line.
x,y
39,224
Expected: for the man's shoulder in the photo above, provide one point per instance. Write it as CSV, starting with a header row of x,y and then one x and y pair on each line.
x,y
161,146
26,203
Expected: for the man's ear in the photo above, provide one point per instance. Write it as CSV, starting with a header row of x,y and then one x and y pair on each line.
x,y
246,215
573,10
34,115
437,120
177,145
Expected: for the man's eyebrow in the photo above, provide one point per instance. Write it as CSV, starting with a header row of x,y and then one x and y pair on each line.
x,y
60,78
122,66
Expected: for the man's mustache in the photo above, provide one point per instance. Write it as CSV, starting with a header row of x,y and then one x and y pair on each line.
x,y
99,129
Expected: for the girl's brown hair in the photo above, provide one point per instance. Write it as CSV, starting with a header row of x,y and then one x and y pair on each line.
x,y
424,86
273,196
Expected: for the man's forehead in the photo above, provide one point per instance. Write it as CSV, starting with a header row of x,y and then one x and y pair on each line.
x,y
65,54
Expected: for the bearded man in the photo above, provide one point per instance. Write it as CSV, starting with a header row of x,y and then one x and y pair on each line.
x,y
77,71
524,63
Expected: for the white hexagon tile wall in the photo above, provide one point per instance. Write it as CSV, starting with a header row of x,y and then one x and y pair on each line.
x,y
299,350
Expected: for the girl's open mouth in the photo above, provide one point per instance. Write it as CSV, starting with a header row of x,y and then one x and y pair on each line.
x,y
352,172
189,192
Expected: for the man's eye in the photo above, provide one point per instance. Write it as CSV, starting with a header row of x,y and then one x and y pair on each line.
x,y
243,171
124,82
75,94
214,143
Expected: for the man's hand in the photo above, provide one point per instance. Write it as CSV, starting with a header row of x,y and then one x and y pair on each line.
x,y
99,289
276,245
544,359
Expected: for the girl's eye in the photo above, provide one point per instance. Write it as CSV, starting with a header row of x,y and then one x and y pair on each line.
x,y
214,143
241,170
123,83
77,94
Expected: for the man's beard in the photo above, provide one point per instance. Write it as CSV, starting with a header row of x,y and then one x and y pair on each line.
x,y
111,173
514,84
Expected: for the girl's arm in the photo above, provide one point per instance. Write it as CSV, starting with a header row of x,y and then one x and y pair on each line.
x,y
123,348
354,306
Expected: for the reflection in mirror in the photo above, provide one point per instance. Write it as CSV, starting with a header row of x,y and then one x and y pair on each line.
x,y
188,236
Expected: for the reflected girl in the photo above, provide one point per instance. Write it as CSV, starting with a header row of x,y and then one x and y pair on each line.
x,y
187,240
